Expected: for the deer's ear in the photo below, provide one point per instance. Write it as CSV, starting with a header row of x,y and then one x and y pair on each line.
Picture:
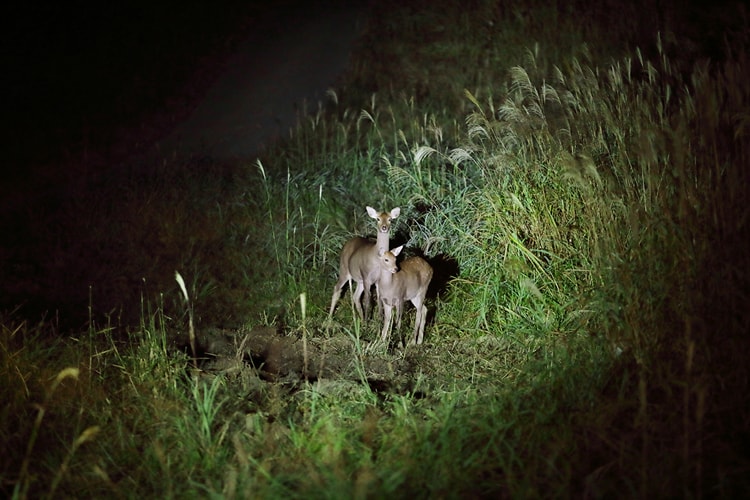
x,y
397,250
395,212
381,251
373,213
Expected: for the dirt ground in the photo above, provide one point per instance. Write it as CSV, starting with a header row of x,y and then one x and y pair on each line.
x,y
334,362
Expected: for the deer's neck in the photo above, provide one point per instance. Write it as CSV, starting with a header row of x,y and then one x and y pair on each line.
x,y
383,241
386,280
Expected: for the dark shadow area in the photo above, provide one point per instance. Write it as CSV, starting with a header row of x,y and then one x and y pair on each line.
x,y
445,268
89,87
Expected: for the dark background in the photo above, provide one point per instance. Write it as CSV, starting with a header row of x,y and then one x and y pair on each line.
x,y
88,81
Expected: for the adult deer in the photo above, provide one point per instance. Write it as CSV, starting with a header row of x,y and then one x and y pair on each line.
x,y
398,286
360,262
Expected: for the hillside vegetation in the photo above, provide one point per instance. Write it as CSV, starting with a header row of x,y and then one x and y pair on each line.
x,y
576,176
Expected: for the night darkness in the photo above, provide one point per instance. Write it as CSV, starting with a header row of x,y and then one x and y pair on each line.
x,y
85,74
89,85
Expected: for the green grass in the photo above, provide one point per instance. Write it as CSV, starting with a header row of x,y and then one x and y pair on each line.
x,y
583,206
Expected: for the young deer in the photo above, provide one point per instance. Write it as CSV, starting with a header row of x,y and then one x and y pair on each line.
x,y
398,286
360,262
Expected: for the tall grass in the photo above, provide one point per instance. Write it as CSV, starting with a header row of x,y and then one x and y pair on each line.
x,y
587,335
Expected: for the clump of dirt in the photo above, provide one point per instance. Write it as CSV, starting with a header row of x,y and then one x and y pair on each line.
x,y
266,355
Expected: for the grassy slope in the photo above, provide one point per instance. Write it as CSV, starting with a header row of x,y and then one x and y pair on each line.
x,y
586,200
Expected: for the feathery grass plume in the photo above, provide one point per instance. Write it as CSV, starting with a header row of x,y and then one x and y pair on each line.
x,y
87,435
24,481
191,327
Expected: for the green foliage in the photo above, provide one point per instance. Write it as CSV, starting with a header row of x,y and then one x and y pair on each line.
x,y
587,221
